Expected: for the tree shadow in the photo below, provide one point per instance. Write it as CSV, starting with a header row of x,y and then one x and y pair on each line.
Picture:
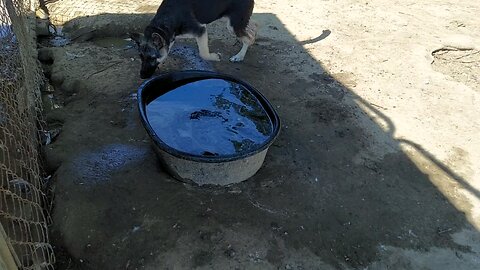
x,y
390,130
334,183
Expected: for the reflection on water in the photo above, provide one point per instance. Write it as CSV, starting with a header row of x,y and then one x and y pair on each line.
x,y
209,117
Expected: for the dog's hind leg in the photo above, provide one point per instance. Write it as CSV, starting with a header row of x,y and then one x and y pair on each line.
x,y
246,34
202,42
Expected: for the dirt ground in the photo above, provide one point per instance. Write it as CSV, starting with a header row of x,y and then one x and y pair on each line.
x,y
377,165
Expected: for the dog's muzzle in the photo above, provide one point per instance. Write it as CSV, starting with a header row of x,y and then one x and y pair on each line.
x,y
146,73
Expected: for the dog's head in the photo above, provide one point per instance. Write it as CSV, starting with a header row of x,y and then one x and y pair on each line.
x,y
153,49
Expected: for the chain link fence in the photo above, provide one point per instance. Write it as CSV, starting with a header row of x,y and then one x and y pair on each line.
x,y
22,198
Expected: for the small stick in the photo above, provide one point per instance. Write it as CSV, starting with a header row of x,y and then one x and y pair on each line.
x,y
468,54
103,69
378,106
444,231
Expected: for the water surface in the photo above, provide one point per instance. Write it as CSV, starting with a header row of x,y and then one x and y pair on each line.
x,y
210,117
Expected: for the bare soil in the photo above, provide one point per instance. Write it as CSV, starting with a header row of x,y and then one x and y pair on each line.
x,y
376,166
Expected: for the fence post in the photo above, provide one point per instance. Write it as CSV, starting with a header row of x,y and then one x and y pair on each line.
x,y
7,261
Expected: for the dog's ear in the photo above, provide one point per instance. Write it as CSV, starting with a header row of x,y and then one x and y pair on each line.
x,y
158,40
137,37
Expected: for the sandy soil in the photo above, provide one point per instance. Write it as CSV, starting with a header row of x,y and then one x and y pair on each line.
x,y
377,165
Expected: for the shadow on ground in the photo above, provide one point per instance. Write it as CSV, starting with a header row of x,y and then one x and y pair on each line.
x,y
335,191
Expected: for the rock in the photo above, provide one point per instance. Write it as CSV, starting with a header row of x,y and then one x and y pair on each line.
x,y
52,160
42,28
57,78
230,252
45,56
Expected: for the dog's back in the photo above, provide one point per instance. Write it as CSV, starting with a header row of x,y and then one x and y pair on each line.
x,y
203,11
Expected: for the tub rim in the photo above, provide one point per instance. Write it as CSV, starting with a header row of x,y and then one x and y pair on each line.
x,y
195,75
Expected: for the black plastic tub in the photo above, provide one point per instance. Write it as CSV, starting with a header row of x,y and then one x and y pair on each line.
x,y
221,169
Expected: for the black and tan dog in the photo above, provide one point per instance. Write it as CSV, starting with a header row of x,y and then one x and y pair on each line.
x,y
188,18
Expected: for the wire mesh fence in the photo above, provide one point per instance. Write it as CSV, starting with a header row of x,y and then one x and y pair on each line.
x,y
22,198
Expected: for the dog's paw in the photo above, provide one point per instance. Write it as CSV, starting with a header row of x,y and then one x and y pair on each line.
x,y
236,59
211,57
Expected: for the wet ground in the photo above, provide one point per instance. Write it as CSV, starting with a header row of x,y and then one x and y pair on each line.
x,y
339,189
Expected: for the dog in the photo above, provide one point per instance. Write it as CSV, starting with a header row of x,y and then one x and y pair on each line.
x,y
188,19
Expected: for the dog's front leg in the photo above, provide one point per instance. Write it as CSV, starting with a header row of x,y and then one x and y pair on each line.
x,y
202,42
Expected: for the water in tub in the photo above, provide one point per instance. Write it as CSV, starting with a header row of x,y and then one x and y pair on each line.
x,y
210,117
